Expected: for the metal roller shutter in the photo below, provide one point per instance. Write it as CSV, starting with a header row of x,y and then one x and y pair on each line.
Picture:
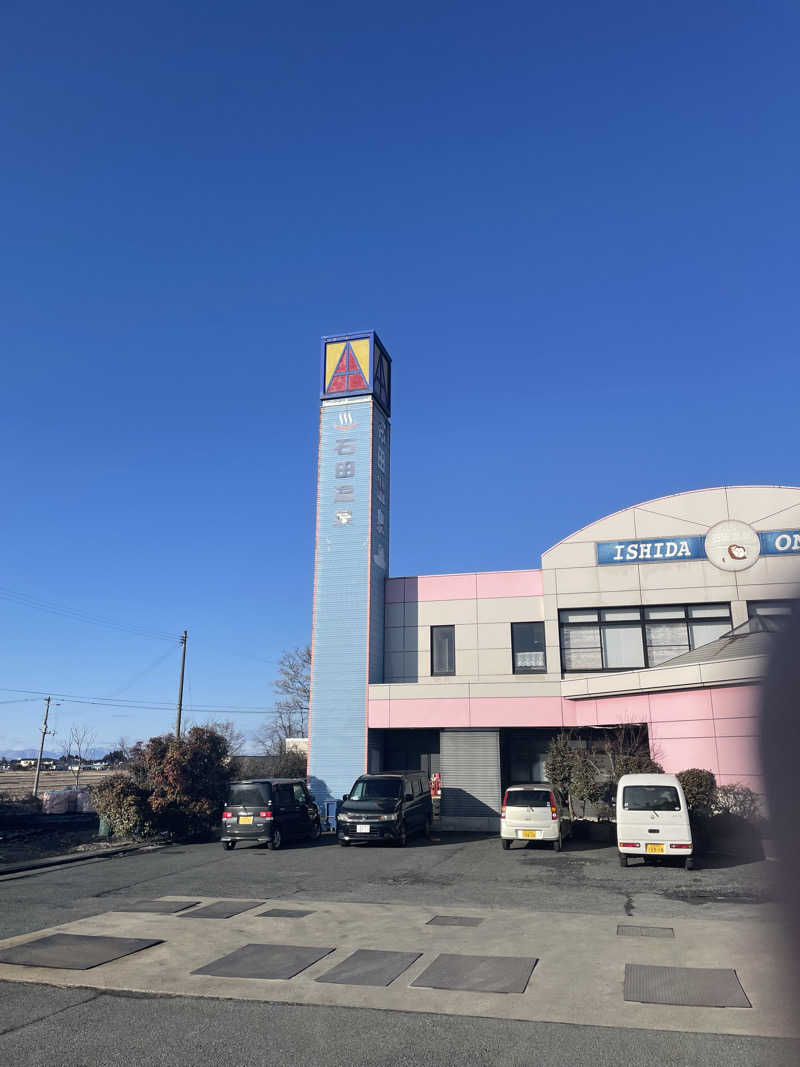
x,y
470,769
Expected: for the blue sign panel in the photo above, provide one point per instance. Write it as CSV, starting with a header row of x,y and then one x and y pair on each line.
x,y
663,550
780,542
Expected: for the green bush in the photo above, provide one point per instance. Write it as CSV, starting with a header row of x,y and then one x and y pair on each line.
x,y
176,786
124,805
737,799
188,778
700,788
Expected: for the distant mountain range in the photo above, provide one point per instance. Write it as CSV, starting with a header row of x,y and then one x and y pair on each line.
x,y
32,753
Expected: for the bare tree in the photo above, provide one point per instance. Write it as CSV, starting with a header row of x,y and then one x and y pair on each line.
x,y
80,742
234,736
628,750
290,711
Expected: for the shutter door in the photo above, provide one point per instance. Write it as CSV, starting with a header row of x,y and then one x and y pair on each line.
x,y
470,769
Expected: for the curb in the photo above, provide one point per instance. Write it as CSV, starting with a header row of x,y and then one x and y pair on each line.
x,y
58,861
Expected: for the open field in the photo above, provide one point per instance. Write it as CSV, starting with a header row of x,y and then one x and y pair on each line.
x,y
20,783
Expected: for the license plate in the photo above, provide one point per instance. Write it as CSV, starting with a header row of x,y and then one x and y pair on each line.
x,y
362,828
530,833
245,820
655,848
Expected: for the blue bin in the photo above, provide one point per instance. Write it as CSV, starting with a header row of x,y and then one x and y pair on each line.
x,y
331,811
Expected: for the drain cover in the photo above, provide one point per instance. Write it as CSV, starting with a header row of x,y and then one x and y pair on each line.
x,y
645,931
369,966
478,974
265,961
697,987
74,952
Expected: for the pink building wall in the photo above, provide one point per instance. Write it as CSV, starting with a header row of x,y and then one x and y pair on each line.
x,y
716,729
485,585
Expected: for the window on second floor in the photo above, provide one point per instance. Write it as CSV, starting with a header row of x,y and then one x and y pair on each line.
x,y
776,613
609,639
527,647
443,650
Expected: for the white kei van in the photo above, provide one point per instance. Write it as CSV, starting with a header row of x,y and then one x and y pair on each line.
x,y
534,813
653,819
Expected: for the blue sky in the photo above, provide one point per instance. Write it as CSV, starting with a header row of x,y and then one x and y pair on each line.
x,y
574,226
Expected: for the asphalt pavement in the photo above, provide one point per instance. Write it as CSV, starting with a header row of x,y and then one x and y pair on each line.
x,y
44,1024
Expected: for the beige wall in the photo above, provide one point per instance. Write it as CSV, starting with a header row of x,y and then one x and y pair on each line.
x,y
572,579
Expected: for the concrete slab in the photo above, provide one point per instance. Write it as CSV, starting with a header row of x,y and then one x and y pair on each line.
x,y
74,952
478,974
370,967
579,977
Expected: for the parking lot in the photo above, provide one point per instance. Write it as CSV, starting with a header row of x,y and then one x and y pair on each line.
x,y
563,910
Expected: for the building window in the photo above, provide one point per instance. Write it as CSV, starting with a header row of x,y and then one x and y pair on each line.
x,y
443,650
774,613
619,639
527,647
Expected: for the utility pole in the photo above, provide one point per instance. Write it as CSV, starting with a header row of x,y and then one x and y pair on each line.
x,y
45,732
180,687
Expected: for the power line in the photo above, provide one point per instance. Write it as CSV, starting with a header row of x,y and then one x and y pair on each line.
x,y
143,704
37,604
156,662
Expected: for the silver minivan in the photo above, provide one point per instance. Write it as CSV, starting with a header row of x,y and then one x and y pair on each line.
x,y
534,812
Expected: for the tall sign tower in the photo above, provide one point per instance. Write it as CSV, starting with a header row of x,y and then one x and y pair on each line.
x,y
351,556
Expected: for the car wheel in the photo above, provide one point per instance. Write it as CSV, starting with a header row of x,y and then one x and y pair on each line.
x,y
343,843
275,841
506,844
557,845
316,830
623,860
689,863
402,835
229,845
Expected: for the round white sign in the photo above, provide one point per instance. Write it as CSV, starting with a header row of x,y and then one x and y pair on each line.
x,y
732,545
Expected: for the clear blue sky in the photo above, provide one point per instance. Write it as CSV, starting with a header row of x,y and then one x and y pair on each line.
x,y
574,225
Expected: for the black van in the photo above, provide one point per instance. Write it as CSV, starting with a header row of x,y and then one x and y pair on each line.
x,y
383,807
269,811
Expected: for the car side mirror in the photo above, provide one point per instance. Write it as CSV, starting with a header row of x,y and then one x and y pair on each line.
x,y
346,796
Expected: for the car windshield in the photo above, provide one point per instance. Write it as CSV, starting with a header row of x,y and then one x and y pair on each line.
x,y
376,789
650,798
249,795
528,798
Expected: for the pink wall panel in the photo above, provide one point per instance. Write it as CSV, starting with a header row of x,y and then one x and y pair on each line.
x,y
447,711
676,754
735,700
395,590
441,587
585,712
570,709
614,710
509,583
378,715
515,711
744,727
752,781
676,729
738,756
682,704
